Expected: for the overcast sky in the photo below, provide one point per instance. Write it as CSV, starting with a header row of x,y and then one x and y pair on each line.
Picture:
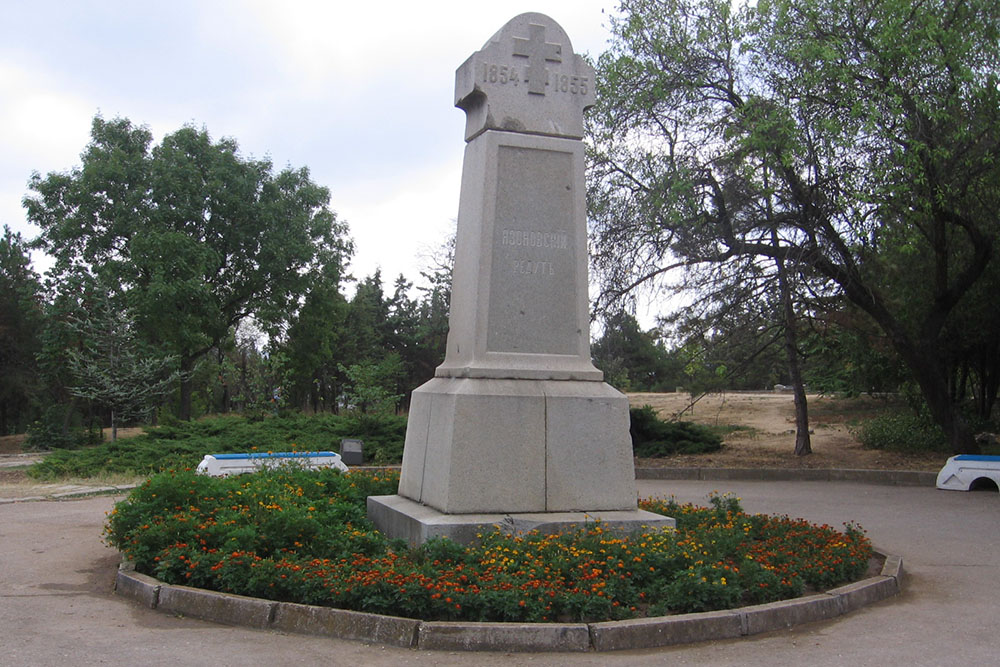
x,y
361,93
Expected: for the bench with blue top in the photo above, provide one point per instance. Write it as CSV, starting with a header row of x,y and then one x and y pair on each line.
x,y
222,465
970,472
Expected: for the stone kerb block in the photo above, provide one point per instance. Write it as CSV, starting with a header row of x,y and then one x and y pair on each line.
x,y
525,79
447,636
345,624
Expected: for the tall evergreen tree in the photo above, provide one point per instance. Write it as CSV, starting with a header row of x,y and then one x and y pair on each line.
x,y
21,321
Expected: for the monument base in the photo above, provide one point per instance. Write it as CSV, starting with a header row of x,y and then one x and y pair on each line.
x,y
499,446
401,518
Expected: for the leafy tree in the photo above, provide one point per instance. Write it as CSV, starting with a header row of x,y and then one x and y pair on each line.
x,y
189,235
21,313
371,384
855,141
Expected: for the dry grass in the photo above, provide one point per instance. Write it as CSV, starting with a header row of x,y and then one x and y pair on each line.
x,y
767,436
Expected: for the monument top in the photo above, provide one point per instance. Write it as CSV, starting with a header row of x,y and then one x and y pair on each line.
x,y
525,79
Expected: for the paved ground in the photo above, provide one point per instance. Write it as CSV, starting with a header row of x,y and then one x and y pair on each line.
x,y
56,604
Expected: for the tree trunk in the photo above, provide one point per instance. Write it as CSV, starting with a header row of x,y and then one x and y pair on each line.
x,y
932,377
803,445
187,363
114,426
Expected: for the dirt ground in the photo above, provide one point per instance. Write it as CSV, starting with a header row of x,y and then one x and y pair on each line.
x,y
768,441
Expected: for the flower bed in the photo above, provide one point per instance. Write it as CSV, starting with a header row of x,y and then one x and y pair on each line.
x,y
303,536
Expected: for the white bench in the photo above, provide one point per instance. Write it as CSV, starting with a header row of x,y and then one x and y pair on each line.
x,y
223,465
970,472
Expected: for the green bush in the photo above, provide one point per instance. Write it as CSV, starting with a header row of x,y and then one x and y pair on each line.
x,y
49,432
183,444
901,432
653,437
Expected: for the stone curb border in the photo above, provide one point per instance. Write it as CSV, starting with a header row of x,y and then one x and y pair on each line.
x,y
863,476
508,637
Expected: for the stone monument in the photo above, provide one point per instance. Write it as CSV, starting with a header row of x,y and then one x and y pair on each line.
x,y
517,426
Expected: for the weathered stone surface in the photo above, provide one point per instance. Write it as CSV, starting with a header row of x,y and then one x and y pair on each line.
x,y
344,624
527,79
893,567
665,631
478,445
788,613
861,593
519,304
406,519
218,607
139,587
535,637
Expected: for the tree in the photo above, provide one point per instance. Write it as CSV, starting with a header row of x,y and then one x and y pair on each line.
x,y
635,360
21,320
115,370
317,342
855,141
189,235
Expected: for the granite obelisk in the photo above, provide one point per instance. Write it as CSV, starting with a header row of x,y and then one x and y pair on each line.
x,y
517,425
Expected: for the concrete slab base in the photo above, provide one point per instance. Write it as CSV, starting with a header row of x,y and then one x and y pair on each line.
x,y
401,518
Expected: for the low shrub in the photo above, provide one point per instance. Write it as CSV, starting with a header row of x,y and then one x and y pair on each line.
x,y
901,432
51,433
303,536
182,445
653,437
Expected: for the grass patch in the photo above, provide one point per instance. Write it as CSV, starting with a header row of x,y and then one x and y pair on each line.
x,y
184,444
653,437
303,536
901,432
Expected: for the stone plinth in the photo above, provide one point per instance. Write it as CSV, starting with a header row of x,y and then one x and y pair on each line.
x,y
416,523
517,421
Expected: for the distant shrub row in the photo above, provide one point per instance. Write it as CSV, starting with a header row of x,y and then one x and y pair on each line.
x,y
183,444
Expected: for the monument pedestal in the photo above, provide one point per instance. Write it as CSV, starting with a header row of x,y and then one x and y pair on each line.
x,y
402,518
477,445
517,428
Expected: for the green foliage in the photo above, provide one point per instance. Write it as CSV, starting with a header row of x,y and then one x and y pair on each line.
x,y
901,432
303,536
182,445
854,144
851,360
635,360
51,431
20,322
370,384
115,370
653,437
189,235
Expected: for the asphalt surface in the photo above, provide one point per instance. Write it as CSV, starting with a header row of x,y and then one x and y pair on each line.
x,y
57,607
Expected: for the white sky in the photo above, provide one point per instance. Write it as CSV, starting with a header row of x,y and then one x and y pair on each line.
x,y
359,92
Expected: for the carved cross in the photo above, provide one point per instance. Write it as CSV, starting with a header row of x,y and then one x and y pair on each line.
x,y
538,52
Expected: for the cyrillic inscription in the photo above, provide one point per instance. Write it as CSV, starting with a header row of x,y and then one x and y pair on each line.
x,y
533,268
531,239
